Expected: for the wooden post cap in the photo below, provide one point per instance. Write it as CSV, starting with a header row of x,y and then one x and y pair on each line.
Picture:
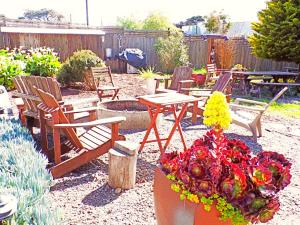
x,y
131,148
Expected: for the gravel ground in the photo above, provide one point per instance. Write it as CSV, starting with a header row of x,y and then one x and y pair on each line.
x,y
85,197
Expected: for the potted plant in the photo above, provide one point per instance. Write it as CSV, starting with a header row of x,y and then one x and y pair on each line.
x,y
199,75
149,75
217,180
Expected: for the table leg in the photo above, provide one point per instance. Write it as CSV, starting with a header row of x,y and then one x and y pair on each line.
x,y
177,124
195,110
153,116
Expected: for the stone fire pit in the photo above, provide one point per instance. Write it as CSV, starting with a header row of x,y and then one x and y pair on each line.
x,y
137,116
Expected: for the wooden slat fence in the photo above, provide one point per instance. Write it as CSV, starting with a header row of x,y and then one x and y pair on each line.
x,y
228,53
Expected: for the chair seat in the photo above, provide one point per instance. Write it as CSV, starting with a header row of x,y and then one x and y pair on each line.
x,y
107,88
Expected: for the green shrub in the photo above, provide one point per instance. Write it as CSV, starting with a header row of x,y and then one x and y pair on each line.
x,y
171,51
42,62
201,70
23,174
73,69
9,68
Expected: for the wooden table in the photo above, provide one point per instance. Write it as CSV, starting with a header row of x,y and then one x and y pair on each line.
x,y
276,75
166,102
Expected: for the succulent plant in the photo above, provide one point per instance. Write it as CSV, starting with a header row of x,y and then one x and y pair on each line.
x,y
217,166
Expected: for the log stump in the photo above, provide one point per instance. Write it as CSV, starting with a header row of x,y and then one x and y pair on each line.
x,y
122,165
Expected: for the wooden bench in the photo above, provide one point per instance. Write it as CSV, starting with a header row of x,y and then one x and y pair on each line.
x,y
273,86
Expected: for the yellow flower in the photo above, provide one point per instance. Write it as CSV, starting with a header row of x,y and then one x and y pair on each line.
x,y
216,111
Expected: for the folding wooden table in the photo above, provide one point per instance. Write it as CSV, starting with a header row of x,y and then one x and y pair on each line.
x,y
166,102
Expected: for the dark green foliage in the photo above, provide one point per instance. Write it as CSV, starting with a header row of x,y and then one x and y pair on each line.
x,y
23,174
48,15
277,34
73,69
190,21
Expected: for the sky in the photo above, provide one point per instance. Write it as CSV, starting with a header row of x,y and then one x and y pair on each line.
x,y
105,12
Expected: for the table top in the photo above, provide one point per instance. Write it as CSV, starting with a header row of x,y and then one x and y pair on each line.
x,y
259,73
169,98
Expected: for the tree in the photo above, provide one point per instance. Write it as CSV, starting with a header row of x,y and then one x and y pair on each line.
x,y
190,21
129,23
48,15
156,21
277,34
217,22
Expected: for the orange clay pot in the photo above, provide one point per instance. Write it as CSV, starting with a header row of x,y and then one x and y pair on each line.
x,y
170,210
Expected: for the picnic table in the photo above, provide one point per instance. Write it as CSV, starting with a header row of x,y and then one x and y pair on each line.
x,y
166,102
264,75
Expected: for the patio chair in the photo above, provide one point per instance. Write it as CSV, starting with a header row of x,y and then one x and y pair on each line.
x,y
28,99
92,143
179,74
103,83
222,85
249,117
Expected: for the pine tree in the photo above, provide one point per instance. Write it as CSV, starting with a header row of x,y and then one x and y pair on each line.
x,y
277,34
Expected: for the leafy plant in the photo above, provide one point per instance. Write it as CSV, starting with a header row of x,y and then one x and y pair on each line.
x,y
29,182
42,62
156,21
9,68
73,69
148,73
201,71
222,171
239,67
172,51
129,23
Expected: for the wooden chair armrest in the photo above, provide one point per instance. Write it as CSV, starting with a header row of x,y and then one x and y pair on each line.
x,y
186,81
238,100
250,108
111,120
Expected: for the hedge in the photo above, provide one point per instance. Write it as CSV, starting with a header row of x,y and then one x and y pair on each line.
x,y
23,174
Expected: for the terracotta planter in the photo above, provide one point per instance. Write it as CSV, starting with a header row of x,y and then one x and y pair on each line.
x,y
170,210
199,78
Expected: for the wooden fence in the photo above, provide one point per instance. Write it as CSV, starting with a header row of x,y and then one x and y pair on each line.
x,y
228,53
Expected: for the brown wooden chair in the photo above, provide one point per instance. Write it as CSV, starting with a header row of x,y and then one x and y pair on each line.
x,y
249,117
179,74
28,109
222,85
104,84
95,141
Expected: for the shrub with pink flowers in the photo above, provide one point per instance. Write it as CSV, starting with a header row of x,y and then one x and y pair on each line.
x,y
216,170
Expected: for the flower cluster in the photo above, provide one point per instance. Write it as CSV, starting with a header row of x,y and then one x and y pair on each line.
x,y
239,67
216,112
216,166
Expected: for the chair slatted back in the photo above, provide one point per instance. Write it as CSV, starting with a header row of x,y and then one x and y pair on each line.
x,y
49,105
211,68
222,82
279,94
102,75
24,86
179,74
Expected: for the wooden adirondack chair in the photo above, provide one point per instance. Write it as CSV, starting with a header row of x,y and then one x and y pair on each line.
x,y
103,83
179,74
96,141
28,109
222,85
249,117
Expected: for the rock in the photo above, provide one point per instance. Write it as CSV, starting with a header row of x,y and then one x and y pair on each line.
x,y
118,190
